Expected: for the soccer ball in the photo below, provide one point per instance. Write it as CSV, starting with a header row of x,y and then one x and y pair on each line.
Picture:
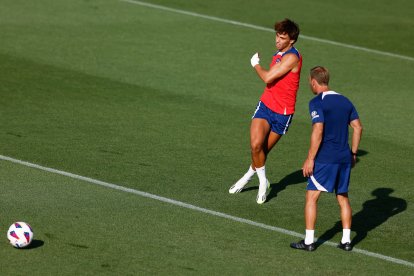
x,y
20,234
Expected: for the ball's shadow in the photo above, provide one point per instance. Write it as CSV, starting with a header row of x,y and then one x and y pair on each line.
x,y
34,244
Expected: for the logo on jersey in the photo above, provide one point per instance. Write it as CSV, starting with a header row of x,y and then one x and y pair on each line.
x,y
314,115
278,60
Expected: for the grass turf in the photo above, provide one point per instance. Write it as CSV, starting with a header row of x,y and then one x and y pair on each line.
x,y
85,229
160,102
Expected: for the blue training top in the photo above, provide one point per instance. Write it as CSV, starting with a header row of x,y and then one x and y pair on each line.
x,y
335,112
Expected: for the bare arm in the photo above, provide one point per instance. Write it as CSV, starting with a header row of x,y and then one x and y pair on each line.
x,y
356,138
288,62
316,139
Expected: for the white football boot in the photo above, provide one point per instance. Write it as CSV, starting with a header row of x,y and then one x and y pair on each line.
x,y
261,195
238,187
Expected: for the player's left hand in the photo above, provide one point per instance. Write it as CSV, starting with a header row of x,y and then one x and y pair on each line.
x,y
255,60
307,167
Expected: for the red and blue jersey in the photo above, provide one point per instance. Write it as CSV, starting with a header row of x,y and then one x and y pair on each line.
x,y
280,95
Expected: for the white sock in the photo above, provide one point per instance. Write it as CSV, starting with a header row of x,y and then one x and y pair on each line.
x,y
346,236
249,173
310,235
261,173
245,178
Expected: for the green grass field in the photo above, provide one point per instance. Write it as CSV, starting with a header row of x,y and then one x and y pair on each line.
x,y
159,100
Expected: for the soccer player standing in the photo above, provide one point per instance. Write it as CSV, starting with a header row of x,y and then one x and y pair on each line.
x,y
329,161
275,109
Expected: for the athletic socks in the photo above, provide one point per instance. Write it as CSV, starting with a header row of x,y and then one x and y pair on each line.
x,y
247,176
239,185
261,173
346,236
310,236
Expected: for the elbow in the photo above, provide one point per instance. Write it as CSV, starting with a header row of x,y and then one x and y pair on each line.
x,y
267,80
357,126
358,130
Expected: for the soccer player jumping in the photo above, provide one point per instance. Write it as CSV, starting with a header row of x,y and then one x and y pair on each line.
x,y
275,109
329,161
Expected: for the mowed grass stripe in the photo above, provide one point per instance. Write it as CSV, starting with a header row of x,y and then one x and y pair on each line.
x,y
251,26
193,207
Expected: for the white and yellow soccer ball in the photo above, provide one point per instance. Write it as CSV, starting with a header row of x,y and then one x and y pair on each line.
x,y
20,234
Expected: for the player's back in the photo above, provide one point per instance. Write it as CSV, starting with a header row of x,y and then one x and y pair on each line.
x,y
338,111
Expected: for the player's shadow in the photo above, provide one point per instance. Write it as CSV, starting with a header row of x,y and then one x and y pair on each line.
x,y
374,213
294,178
361,153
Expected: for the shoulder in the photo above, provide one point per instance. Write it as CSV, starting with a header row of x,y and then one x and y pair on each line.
x,y
316,109
336,99
315,102
337,95
292,51
316,99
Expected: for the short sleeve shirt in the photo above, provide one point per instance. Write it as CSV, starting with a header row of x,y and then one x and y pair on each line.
x,y
335,112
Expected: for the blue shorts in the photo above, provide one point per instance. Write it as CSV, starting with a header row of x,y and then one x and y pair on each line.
x,y
278,123
330,177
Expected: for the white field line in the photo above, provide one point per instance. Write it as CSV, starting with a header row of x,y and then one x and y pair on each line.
x,y
195,208
251,26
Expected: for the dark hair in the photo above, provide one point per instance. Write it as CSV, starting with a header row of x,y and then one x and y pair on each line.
x,y
320,74
289,27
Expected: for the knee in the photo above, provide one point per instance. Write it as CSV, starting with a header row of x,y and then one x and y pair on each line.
x,y
256,146
344,204
343,200
312,197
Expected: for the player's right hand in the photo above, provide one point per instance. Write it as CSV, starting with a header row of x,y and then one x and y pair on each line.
x,y
353,160
307,168
255,59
